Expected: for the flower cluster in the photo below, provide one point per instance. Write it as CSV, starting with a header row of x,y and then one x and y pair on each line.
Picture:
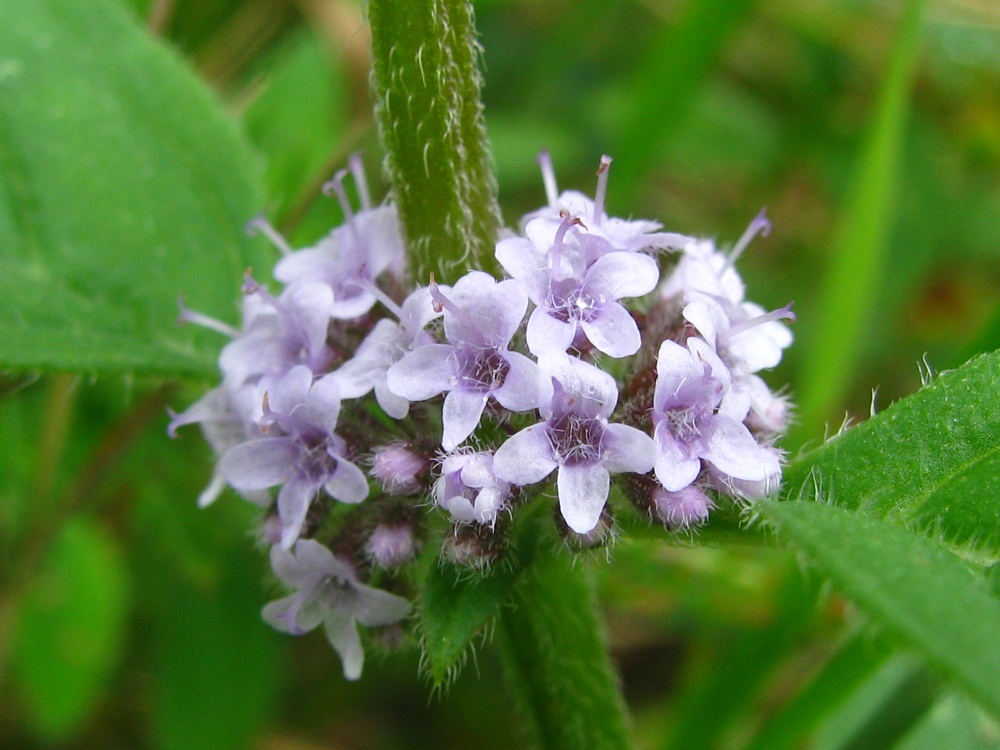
x,y
610,348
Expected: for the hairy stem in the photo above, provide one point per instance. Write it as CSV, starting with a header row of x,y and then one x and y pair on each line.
x,y
556,659
427,87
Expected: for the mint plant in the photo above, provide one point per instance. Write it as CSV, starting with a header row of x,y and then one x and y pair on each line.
x,y
458,437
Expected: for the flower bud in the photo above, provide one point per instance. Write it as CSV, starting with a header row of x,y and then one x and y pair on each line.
x,y
475,545
399,470
390,546
682,509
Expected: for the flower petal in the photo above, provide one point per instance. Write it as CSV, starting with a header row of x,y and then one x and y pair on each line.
x,y
348,483
628,449
734,452
293,504
342,632
460,415
259,464
613,331
525,386
547,334
526,457
583,491
375,607
423,373
622,274
674,467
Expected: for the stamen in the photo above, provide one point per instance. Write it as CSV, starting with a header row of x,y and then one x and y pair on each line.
x,y
567,222
336,187
602,188
549,178
360,180
187,315
759,224
367,285
262,225
441,302
782,313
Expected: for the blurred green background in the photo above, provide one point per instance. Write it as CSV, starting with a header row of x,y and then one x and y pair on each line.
x,y
129,619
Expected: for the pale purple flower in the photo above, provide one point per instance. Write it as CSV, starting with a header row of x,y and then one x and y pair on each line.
x,y
480,318
227,418
327,591
352,256
576,439
746,337
279,333
705,271
574,296
469,490
697,417
304,457
386,345
605,233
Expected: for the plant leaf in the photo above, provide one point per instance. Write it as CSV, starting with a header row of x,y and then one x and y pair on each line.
x,y
70,631
458,603
913,586
122,186
930,462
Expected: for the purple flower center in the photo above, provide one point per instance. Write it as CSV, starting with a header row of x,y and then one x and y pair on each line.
x,y
482,369
683,423
569,301
576,440
315,462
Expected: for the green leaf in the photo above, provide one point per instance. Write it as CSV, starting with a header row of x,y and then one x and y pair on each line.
x,y
70,632
458,603
954,723
911,585
929,462
122,186
556,659
850,286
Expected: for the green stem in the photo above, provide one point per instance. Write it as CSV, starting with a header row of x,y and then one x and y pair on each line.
x,y
427,84
556,659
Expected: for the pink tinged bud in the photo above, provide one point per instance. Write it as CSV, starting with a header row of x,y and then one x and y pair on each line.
x,y
682,509
398,469
391,546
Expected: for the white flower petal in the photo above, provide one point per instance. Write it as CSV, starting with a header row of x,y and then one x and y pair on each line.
x,y
613,331
423,373
583,491
259,464
526,457
547,334
628,449
460,415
